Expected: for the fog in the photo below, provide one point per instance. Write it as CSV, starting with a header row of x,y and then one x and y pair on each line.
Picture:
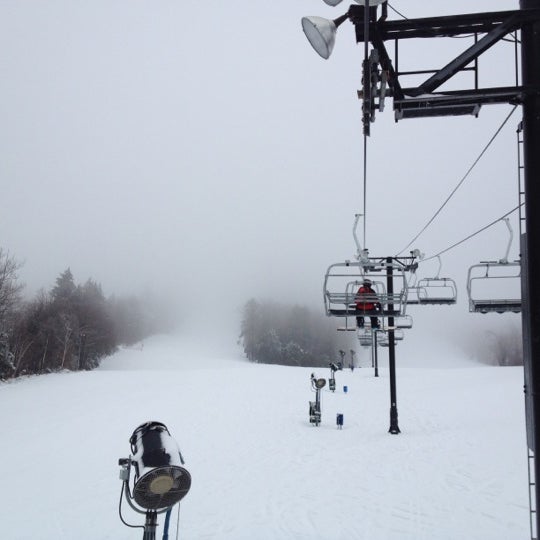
x,y
204,151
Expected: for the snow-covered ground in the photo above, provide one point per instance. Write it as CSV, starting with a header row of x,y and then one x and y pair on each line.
x,y
458,470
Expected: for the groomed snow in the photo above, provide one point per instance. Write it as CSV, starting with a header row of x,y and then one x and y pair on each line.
x,y
458,470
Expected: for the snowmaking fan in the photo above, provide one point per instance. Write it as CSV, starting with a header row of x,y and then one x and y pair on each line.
x,y
159,478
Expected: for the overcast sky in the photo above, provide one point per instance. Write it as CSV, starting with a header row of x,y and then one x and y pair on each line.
x,y
203,148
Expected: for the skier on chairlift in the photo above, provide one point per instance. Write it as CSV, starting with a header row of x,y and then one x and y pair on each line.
x,y
366,301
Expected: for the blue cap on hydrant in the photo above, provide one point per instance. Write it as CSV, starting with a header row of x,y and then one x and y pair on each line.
x,y
345,389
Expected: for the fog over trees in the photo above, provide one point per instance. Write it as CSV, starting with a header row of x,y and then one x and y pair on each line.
x,y
274,333
72,326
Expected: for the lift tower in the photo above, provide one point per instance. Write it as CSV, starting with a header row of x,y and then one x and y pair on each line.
x,y
530,65
381,79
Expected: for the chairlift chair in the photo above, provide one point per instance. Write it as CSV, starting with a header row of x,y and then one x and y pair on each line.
x,y
495,286
384,338
437,290
433,290
403,322
342,281
365,337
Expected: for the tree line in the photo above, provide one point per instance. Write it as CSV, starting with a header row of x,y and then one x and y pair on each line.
x,y
273,333
72,326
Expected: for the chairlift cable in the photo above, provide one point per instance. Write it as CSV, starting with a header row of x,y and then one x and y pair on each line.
x,y
461,181
472,235
365,129
365,189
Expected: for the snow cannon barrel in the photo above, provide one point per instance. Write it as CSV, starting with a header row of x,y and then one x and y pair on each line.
x,y
160,479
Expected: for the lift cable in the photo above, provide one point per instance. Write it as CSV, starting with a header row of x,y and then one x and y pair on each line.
x,y
472,235
365,188
461,181
365,128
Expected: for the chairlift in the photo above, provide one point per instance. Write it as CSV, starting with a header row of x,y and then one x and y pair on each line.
x,y
384,337
433,290
342,281
365,337
403,322
495,286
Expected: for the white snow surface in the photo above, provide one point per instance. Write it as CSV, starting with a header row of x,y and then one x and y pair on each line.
x,y
457,470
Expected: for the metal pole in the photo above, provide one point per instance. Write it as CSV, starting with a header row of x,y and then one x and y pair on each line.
x,y
530,65
150,525
374,353
394,428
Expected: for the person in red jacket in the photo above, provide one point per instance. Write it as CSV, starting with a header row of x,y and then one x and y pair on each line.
x,y
367,302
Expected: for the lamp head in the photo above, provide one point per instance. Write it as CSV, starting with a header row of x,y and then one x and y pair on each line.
x,y
361,2
321,34
371,2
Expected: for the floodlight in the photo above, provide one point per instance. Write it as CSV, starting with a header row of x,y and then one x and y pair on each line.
x,y
371,2
321,34
361,2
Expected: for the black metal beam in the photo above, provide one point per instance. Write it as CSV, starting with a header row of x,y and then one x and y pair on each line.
x,y
386,63
495,25
453,25
457,102
493,36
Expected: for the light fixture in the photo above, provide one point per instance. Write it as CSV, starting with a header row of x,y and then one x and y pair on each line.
x,y
371,2
321,34
361,2
159,480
